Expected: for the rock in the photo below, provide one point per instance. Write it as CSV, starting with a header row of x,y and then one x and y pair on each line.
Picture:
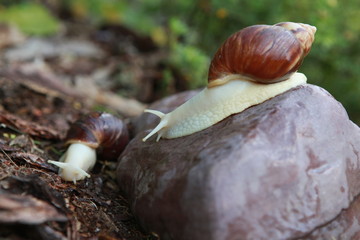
x,y
345,226
278,170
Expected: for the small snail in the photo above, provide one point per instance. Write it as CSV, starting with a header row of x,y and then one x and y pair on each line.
x,y
97,133
252,66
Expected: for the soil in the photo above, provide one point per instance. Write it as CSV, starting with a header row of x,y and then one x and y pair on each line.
x,y
39,99
32,128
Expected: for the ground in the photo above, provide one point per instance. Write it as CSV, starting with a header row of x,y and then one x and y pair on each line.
x,y
42,93
90,208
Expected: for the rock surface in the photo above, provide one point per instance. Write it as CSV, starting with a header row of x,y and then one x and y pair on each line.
x,y
286,168
346,226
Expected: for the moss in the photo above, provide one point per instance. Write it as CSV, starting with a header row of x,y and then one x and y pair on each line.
x,y
30,18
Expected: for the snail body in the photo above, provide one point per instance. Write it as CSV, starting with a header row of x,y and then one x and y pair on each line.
x,y
76,162
252,66
95,134
202,111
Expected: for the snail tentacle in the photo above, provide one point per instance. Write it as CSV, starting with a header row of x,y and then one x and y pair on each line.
x,y
155,112
159,128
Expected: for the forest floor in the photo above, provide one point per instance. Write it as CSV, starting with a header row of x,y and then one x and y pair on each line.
x,y
46,84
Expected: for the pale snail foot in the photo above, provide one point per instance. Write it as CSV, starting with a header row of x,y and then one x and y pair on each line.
x,y
76,162
214,104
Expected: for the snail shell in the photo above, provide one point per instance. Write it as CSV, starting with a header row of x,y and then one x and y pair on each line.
x,y
262,53
101,131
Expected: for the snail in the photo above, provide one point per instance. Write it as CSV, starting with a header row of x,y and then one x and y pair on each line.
x,y
97,133
253,65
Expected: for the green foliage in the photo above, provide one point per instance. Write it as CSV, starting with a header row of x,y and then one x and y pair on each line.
x,y
333,62
191,61
30,18
144,17
99,11
193,30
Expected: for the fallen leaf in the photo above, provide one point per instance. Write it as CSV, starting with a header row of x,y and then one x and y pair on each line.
x,y
27,210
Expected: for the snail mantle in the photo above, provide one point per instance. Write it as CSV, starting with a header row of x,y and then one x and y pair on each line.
x,y
283,169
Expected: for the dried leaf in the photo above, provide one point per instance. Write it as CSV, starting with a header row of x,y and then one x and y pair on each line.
x,y
26,209
28,127
32,159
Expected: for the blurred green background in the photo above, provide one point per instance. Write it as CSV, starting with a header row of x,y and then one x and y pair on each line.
x,y
192,30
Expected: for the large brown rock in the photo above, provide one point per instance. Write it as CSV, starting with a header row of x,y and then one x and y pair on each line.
x,y
346,226
286,168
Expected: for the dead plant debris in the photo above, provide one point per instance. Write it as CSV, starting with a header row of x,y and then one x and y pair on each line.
x,y
43,90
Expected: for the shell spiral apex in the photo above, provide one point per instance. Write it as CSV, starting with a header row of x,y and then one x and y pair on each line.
x,y
262,53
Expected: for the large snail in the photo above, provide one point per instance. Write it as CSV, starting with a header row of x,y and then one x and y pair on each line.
x,y
97,133
252,66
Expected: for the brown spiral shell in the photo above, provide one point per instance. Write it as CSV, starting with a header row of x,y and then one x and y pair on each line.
x,y
263,53
101,131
